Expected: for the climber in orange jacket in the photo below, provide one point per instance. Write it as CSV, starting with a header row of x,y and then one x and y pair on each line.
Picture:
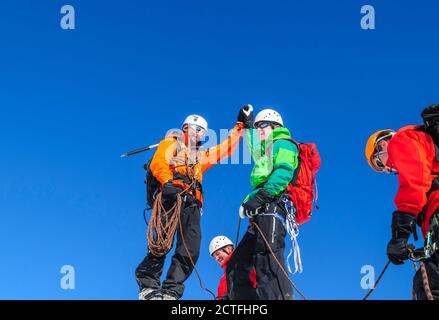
x,y
178,166
411,153
221,249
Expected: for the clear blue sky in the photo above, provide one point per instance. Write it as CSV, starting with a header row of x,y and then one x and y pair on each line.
x,y
73,101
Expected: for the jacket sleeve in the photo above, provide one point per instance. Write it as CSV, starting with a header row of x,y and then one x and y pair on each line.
x,y
224,150
410,158
222,287
285,158
160,162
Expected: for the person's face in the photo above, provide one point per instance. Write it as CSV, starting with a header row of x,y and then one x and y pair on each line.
x,y
221,254
195,133
264,130
381,155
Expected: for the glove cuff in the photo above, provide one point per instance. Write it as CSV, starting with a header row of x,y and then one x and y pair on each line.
x,y
403,225
264,196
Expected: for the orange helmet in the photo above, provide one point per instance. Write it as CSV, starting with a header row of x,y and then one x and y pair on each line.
x,y
371,147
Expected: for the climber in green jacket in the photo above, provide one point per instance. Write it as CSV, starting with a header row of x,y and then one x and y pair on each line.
x,y
276,159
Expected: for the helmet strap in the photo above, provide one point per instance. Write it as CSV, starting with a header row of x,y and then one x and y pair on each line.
x,y
225,251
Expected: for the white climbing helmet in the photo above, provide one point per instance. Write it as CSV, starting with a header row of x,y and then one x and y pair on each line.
x,y
269,115
195,120
218,243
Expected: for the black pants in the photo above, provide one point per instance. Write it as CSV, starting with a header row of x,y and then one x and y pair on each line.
x,y
252,251
432,266
149,271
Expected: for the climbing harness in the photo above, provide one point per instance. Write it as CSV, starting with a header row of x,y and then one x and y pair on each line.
x,y
292,228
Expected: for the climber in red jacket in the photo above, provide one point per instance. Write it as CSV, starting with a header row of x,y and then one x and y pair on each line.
x,y
221,249
412,154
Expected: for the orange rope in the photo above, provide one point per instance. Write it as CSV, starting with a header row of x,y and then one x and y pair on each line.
x,y
161,230
162,226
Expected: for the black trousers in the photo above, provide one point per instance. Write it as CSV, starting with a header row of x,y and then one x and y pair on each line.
x,y
149,272
432,266
252,251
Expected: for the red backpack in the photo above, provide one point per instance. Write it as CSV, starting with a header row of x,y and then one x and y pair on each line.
x,y
302,189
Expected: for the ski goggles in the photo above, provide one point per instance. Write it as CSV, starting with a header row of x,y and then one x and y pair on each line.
x,y
263,125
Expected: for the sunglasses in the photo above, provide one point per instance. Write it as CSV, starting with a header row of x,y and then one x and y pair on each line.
x,y
380,150
263,125
198,129
377,160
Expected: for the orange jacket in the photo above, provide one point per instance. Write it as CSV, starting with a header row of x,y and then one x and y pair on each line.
x,y
412,153
174,157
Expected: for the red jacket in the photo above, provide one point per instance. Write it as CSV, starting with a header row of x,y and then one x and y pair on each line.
x,y
222,287
412,153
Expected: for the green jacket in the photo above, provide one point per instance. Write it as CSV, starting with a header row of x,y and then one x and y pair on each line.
x,y
275,161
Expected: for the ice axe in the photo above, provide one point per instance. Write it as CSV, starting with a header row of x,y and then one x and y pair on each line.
x,y
247,110
137,151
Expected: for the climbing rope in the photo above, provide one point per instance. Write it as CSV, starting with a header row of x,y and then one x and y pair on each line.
x,y
412,258
161,230
423,269
162,226
255,225
192,261
238,232
377,282
425,281
424,274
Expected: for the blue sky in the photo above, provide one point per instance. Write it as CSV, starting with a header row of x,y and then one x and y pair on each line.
x,y
73,101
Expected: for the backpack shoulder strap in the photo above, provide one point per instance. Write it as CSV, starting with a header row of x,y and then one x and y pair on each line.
x,y
297,144
423,128
179,147
296,172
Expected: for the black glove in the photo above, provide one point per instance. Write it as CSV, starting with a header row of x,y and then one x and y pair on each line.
x,y
169,192
246,116
225,296
398,250
403,224
256,205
